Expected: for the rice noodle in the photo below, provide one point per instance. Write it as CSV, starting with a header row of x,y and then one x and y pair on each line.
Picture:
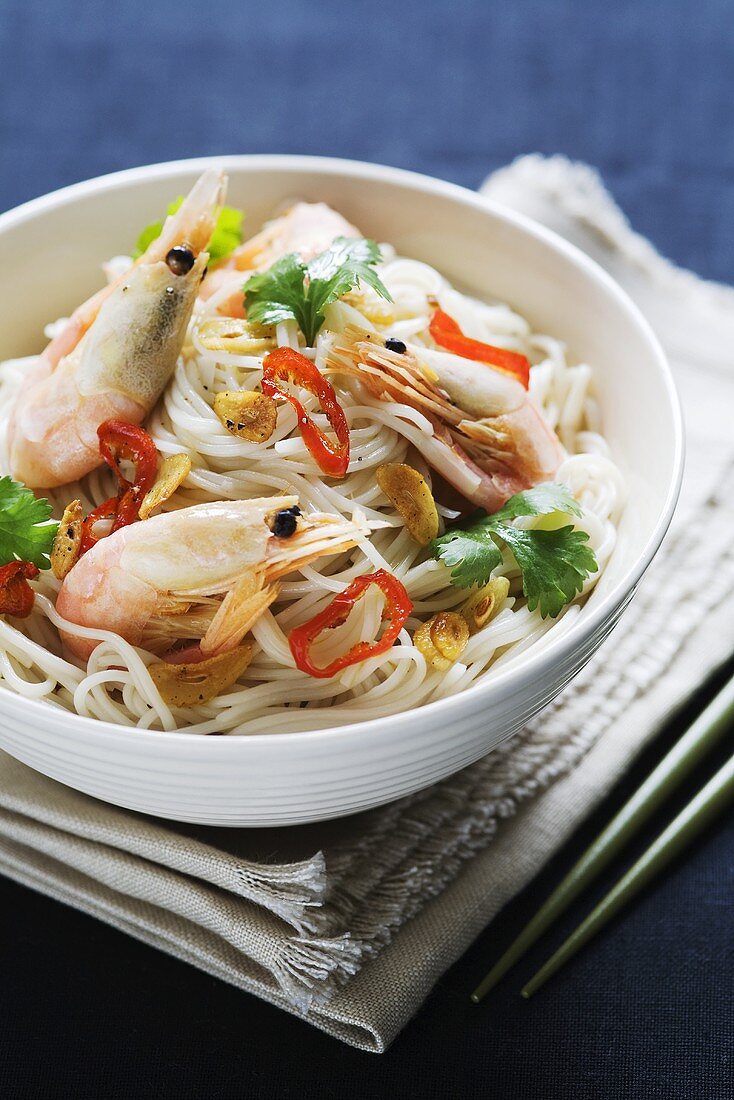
x,y
272,695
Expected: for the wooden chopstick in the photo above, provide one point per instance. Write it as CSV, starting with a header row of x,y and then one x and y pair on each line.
x,y
705,732
690,822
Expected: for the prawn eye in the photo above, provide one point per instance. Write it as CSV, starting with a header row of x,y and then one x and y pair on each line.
x,y
180,259
396,345
285,522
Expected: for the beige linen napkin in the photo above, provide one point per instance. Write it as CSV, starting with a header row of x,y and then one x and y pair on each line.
x,y
351,923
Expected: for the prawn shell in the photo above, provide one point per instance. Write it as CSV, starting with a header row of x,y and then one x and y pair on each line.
x,y
136,339
204,549
160,571
114,355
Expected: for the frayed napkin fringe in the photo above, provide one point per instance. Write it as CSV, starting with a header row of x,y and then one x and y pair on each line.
x,y
296,932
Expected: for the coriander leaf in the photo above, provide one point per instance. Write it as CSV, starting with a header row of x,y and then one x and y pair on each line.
x,y
227,234
24,533
471,553
277,294
335,272
292,290
554,564
348,261
543,499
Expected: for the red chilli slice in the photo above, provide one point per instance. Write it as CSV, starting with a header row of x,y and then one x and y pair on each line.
x,y
119,440
447,333
287,365
398,607
16,595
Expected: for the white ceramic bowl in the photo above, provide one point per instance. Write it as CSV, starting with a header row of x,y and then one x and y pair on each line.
x,y
52,248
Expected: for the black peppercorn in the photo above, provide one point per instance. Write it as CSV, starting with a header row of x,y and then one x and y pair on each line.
x,y
396,345
180,259
285,522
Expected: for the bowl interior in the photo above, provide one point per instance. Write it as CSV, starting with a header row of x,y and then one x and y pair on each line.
x,y
53,248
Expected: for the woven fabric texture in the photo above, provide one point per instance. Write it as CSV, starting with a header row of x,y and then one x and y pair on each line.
x,y
351,923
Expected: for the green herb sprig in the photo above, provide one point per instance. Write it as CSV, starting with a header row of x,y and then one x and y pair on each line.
x,y
226,237
293,290
554,560
26,533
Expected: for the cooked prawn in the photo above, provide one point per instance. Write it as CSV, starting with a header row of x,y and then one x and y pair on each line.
x,y
201,574
115,354
307,228
489,438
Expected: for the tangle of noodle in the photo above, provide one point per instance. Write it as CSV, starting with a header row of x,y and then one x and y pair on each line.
x,y
272,695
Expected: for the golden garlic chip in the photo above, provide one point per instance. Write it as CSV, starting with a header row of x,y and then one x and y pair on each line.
x,y
247,414
68,540
442,639
187,685
172,474
483,605
408,491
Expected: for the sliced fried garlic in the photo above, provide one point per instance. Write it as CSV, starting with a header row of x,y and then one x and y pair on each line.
x,y
235,335
172,474
68,540
247,414
483,605
189,685
442,639
408,491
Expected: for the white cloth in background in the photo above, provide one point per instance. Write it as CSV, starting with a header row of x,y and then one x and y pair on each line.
x,y
359,918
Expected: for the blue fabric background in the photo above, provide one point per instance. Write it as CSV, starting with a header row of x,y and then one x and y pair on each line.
x,y
644,91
